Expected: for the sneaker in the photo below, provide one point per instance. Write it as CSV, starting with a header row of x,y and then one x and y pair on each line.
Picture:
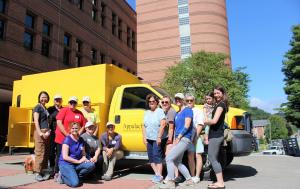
x,y
196,179
46,176
39,177
187,183
59,179
157,179
166,180
55,177
178,179
106,178
168,185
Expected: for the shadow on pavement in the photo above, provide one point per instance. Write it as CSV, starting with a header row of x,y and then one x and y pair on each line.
x,y
238,171
126,167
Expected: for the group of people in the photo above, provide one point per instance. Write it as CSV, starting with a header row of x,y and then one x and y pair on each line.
x,y
67,138
169,134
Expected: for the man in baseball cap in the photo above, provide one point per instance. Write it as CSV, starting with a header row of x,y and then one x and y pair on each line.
x,y
179,95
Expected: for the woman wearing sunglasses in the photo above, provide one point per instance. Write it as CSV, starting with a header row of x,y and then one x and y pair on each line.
x,y
66,116
155,136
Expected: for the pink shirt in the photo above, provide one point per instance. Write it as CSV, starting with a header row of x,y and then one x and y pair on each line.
x,y
67,116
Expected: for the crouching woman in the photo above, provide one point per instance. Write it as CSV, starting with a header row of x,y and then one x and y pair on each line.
x,y
73,164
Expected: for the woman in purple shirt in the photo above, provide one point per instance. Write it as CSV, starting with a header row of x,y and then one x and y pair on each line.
x,y
73,164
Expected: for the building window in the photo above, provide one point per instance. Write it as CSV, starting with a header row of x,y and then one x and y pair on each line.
x,y
45,47
79,4
2,29
185,50
94,56
2,6
128,37
78,45
78,60
184,21
182,2
103,15
94,2
120,65
102,58
183,9
28,40
185,40
94,14
67,49
120,32
113,24
133,40
114,62
46,29
29,21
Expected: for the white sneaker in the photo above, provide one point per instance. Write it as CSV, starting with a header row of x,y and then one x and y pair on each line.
x,y
196,179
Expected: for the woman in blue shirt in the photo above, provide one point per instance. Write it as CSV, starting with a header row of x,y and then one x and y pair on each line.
x,y
183,134
73,164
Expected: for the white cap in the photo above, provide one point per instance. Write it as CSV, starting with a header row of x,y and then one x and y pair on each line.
x,y
109,123
73,98
179,95
57,96
89,123
86,98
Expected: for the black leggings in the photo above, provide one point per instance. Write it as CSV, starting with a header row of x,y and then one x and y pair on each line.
x,y
213,152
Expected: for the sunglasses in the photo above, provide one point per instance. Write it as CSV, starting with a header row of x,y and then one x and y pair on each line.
x,y
151,101
165,102
73,102
178,99
85,102
189,100
110,126
74,128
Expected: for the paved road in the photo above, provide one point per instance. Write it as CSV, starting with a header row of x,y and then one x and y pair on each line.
x,y
251,172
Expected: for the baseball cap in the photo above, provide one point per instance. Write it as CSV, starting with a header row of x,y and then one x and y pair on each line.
x,y
57,96
179,95
86,98
109,123
89,123
73,98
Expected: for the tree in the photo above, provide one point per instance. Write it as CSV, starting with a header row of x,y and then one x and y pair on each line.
x,y
278,128
257,114
291,70
201,72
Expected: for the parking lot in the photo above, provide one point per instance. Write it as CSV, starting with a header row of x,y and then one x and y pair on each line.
x,y
254,171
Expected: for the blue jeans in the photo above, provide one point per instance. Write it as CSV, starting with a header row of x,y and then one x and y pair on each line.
x,y
71,174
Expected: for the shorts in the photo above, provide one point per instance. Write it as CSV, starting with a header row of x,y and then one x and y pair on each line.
x,y
191,148
155,152
199,146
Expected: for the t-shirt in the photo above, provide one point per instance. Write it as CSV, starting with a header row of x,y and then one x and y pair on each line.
x,y
170,117
53,111
91,144
217,130
198,119
90,116
68,116
180,122
75,149
152,123
43,116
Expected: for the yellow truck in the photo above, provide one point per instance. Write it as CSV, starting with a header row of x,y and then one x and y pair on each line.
x,y
116,96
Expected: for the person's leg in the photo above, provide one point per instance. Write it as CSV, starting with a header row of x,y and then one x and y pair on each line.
x,y
39,154
111,165
84,169
158,154
58,152
199,152
69,175
213,152
150,150
191,162
52,154
105,163
46,153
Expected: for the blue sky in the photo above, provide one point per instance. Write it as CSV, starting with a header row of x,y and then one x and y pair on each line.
x,y
259,32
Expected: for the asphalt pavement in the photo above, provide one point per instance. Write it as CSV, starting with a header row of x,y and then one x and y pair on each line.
x,y
251,172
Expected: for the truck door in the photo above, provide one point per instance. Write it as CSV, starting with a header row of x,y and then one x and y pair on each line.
x,y
129,115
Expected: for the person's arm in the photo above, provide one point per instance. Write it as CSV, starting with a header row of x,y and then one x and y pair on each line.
x,y
103,141
61,127
82,123
170,132
97,124
118,142
36,116
216,117
161,130
144,135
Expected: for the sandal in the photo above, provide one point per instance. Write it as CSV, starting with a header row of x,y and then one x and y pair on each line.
x,y
213,186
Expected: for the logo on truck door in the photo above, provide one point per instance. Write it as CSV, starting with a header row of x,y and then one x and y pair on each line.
x,y
132,127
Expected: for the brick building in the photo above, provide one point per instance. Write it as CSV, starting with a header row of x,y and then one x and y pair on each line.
x,y
259,128
170,30
44,35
